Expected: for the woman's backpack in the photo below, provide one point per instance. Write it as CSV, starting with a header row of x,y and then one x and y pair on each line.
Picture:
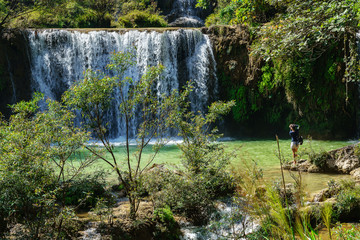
x,y
301,140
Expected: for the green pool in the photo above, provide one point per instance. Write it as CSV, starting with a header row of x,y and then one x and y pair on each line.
x,y
263,152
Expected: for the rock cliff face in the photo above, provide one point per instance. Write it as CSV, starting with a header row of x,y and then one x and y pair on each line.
x,y
238,75
14,70
231,45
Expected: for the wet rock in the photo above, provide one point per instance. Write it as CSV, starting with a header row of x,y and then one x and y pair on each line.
x,y
314,169
304,165
231,50
328,193
322,195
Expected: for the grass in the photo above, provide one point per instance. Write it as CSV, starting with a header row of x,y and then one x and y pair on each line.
x,y
261,151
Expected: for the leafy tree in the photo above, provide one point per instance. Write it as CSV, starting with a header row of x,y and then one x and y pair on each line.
x,y
311,49
248,12
203,175
11,9
93,96
205,162
35,165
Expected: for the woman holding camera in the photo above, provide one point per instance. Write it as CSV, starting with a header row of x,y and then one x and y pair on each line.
x,y
294,134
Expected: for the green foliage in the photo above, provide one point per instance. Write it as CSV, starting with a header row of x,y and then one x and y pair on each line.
x,y
35,148
166,225
313,50
84,192
141,19
11,9
357,150
319,159
204,177
74,13
248,12
326,215
348,204
266,84
92,96
186,195
103,209
309,50
344,232
127,6
246,102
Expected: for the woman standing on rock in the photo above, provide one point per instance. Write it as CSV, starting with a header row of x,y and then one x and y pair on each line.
x,y
294,134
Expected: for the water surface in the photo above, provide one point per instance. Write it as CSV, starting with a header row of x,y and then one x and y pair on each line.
x,y
262,152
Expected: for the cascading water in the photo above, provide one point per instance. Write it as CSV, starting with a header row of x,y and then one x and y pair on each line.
x,y
59,57
186,14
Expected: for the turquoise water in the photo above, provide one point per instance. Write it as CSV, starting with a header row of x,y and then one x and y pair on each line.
x,y
263,152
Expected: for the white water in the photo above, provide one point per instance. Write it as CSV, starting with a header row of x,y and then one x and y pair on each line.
x,y
59,57
229,224
187,14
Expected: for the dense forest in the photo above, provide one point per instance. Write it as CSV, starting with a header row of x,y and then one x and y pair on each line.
x,y
277,62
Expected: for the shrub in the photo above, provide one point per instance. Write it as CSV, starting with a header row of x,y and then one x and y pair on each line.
x,y
184,194
140,19
72,14
347,206
166,226
85,191
319,159
343,232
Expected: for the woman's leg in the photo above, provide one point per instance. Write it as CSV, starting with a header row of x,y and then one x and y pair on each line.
x,y
294,148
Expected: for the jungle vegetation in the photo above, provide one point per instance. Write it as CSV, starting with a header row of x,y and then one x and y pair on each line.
x,y
309,65
308,52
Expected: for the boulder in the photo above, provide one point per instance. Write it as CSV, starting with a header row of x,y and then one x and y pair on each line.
x,y
343,160
356,173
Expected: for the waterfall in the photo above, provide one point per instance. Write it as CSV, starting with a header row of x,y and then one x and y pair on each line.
x,y
186,14
59,57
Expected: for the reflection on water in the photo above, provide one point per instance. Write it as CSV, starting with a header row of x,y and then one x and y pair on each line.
x,y
312,182
265,154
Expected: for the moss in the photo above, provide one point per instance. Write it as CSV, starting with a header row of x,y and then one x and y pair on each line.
x,y
139,19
